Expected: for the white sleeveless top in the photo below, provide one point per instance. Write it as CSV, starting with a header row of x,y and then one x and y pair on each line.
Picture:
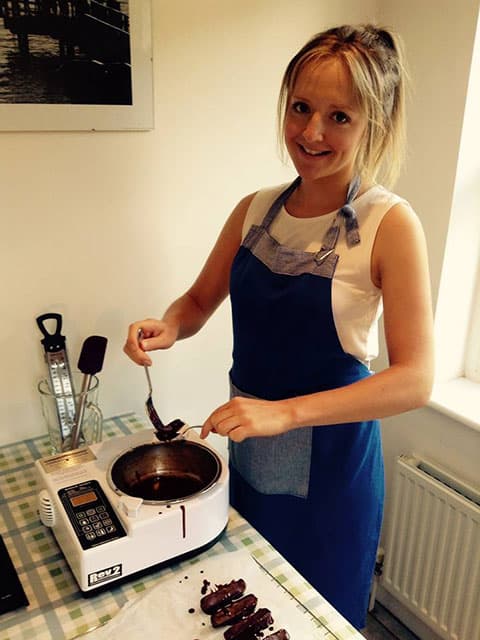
x,y
356,301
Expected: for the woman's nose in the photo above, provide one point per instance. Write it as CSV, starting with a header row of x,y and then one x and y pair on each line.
x,y
314,130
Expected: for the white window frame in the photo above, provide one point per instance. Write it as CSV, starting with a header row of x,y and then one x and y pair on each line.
x,y
472,355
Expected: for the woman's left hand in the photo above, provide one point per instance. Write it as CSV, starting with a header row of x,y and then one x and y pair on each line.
x,y
242,418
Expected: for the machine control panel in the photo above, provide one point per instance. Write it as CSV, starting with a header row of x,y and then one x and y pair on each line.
x,y
91,514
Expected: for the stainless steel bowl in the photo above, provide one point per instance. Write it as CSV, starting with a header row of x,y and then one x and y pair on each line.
x,y
160,473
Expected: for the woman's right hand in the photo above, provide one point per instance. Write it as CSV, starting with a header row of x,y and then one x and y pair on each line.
x,y
156,334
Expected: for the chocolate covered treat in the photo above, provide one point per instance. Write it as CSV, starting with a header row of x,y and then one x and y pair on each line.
x,y
225,594
235,611
249,627
281,634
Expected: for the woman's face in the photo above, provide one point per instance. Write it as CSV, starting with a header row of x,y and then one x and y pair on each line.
x,y
324,124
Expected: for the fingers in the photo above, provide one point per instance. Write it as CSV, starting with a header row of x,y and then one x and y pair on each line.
x,y
226,421
136,354
237,433
242,418
206,429
135,348
210,426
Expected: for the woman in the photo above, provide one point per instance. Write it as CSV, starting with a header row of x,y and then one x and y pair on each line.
x,y
308,267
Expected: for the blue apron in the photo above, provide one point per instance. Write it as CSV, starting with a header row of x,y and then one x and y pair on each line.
x,y
315,493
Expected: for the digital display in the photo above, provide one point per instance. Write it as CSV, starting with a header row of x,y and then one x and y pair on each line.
x,y
85,498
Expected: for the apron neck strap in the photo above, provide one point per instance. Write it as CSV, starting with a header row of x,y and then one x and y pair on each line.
x,y
347,212
278,203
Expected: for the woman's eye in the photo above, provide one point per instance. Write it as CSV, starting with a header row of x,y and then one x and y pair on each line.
x,y
340,117
300,107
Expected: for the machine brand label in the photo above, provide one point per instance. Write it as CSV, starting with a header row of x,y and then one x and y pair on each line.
x,y
109,573
67,460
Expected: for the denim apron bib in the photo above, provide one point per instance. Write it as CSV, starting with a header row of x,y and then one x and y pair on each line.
x,y
315,493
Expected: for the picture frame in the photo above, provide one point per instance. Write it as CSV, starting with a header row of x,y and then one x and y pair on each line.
x,y
99,117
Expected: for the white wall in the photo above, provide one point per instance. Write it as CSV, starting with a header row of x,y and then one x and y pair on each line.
x,y
106,228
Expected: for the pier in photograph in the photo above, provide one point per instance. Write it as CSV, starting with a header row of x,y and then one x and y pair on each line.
x,y
96,29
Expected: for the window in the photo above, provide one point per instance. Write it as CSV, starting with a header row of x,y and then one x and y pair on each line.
x,y
457,316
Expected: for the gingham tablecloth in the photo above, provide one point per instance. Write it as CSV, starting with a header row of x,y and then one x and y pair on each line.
x,y
58,610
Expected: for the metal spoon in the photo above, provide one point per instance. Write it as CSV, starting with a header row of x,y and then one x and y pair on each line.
x,y
164,432
149,408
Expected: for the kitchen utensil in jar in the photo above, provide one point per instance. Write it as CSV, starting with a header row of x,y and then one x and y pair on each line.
x,y
89,363
60,377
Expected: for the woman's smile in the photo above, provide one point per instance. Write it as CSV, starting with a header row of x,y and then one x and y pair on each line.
x,y
313,152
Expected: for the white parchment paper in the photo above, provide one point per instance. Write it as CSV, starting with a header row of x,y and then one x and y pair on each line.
x,y
165,610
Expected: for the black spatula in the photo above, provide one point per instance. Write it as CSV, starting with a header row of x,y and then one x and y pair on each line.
x,y
89,363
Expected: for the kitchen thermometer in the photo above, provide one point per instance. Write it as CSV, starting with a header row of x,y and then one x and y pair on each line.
x,y
59,371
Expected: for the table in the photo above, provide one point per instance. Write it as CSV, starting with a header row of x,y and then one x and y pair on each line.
x,y
57,608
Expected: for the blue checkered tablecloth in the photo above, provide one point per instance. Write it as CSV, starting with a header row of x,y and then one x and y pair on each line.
x,y
58,610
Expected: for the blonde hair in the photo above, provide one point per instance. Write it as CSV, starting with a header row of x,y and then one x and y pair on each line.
x,y
373,57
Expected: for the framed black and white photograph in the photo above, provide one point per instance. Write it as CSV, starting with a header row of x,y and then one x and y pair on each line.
x,y
75,65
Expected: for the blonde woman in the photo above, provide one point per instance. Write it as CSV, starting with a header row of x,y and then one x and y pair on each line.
x,y
309,267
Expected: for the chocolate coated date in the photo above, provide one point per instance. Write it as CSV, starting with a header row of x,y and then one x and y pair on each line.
x,y
281,634
248,627
223,596
235,611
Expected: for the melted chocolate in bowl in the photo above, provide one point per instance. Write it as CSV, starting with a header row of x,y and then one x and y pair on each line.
x,y
165,487
165,472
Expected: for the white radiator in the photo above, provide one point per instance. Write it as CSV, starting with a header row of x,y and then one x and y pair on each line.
x,y
432,553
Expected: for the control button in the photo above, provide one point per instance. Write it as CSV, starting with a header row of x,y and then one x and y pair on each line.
x,y
93,518
80,514
84,522
110,528
86,528
91,512
97,525
106,522
101,532
104,515
90,536
100,508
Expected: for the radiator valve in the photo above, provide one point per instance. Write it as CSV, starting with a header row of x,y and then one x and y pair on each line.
x,y
379,562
